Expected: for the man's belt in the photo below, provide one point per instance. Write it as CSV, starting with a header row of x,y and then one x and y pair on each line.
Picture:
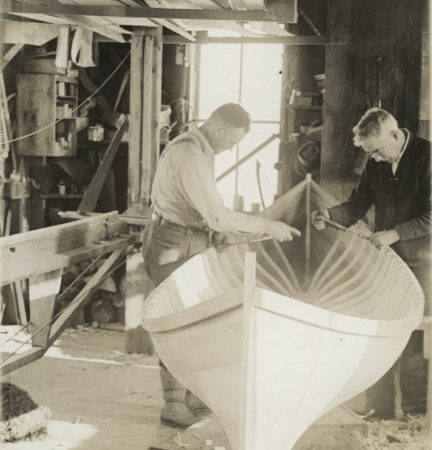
x,y
184,228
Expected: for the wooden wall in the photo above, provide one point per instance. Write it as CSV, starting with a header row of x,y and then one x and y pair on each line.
x,y
380,65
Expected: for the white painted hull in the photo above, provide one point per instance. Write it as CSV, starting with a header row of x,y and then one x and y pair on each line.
x,y
305,356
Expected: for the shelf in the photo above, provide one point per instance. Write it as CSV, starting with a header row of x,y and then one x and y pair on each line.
x,y
305,107
61,196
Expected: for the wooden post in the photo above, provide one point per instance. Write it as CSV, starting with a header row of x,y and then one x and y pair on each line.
x,y
146,122
336,135
136,94
247,409
308,228
43,290
144,147
145,101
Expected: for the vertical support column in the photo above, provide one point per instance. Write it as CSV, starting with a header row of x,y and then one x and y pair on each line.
x,y
144,147
147,157
336,135
287,124
308,229
145,101
135,133
43,290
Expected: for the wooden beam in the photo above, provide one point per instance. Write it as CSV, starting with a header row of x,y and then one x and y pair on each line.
x,y
248,156
336,134
91,196
91,87
38,251
285,40
112,32
123,85
156,103
10,54
21,359
44,325
26,33
43,290
188,37
79,301
146,120
54,7
135,135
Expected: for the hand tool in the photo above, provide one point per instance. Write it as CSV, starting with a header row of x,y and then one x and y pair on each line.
x,y
342,228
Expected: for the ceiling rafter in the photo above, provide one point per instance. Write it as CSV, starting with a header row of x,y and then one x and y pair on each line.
x,y
54,7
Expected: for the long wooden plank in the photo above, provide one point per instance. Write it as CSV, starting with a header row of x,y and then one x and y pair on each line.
x,y
53,7
43,290
308,228
156,100
27,33
91,196
284,40
247,157
31,253
20,360
10,54
79,301
91,87
111,32
135,140
146,120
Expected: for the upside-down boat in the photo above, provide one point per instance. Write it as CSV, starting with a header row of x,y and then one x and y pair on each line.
x,y
271,336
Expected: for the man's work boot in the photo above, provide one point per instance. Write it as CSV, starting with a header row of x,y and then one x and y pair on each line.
x,y
174,412
197,406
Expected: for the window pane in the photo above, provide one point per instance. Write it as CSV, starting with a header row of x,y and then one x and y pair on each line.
x,y
262,81
247,172
220,74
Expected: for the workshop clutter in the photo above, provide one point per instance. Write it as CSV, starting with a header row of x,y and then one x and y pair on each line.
x,y
106,305
306,92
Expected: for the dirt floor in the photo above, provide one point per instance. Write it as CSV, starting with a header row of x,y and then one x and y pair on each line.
x,y
101,398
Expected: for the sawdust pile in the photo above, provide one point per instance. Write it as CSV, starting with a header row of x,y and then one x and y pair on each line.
x,y
408,433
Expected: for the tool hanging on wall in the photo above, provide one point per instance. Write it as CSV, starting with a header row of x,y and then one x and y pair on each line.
x,y
373,85
258,176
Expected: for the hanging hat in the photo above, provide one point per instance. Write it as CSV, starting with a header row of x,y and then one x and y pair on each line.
x,y
308,159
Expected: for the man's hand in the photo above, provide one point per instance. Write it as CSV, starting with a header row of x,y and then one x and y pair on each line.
x,y
318,217
385,238
281,231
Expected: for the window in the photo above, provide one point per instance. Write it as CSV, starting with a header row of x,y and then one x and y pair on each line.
x,y
248,74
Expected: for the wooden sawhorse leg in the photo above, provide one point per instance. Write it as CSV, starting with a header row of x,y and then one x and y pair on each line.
x,y
43,290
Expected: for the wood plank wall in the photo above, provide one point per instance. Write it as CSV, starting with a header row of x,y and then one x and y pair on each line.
x,y
382,62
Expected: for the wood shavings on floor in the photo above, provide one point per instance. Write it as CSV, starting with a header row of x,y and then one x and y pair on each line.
x,y
408,433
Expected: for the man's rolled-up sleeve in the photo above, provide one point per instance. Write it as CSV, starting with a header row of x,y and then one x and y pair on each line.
x,y
198,186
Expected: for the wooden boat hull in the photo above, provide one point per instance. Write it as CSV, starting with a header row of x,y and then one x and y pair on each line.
x,y
270,373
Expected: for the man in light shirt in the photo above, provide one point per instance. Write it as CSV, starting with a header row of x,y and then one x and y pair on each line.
x,y
187,209
397,182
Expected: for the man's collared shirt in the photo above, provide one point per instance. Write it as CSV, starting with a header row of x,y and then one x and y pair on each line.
x,y
184,188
